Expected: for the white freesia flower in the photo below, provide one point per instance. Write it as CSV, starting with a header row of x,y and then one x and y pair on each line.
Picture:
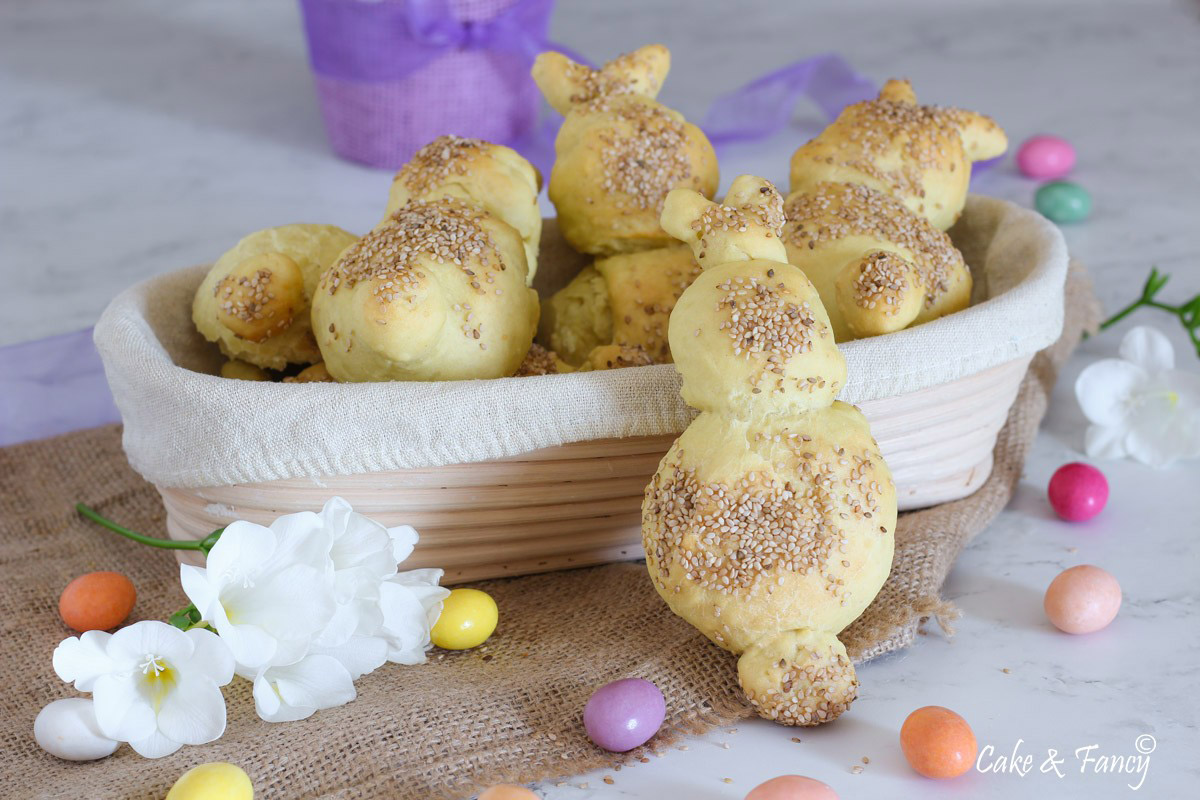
x,y
1139,405
267,591
152,685
313,603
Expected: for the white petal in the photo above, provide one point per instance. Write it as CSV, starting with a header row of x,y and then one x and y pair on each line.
x,y
1105,442
1186,386
83,659
419,577
211,656
201,592
1104,389
1148,348
251,646
242,547
193,712
283,694
361,655
291,606
300,538
404,539
407,621
1162,434
121,710
131,644
156,745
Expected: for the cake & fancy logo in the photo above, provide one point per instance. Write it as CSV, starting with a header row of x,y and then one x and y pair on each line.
x,y
1088,759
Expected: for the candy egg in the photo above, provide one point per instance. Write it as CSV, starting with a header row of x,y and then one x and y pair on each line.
x,y
624,714
468,618
792,787
217,780
1082,599
1062,201
1045,157
67,728
97,601
937,742
1078,491
506,791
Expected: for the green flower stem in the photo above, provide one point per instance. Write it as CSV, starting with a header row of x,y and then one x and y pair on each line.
x,y
204,545
1188,313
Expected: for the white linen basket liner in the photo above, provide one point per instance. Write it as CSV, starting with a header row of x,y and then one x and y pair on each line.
x,y
186,427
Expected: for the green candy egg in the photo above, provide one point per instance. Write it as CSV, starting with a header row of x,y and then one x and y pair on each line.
x,y
1063,201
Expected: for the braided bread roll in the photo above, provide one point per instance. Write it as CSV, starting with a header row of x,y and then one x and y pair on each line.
x,y
769,524
439,290
619,151
921,155
254,302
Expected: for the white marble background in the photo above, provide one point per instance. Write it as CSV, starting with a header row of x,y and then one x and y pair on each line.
x,y
136,137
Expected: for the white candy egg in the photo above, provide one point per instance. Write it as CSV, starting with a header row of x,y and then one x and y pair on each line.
x,y
67,728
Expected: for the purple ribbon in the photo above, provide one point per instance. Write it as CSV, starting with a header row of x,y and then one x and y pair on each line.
x,y
391,39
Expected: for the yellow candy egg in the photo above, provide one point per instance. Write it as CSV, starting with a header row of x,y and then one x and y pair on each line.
x,y
468,618
218,780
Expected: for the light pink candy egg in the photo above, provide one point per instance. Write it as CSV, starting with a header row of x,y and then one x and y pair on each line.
x,y
792,787
1082,599
1045,157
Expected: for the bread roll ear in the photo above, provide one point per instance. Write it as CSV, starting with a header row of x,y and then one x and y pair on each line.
x,y
746,226
566,83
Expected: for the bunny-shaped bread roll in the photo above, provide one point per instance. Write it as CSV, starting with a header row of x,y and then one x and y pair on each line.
x,y
254,302
439,290
920,155
491,176
622,301
878,266
769,524
619,151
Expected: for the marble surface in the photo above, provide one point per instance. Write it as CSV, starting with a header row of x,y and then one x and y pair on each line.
x,y
137,137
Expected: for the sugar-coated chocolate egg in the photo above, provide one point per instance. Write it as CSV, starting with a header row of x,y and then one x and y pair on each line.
x,y
792,787
468,618
506,791
97,601
1045,157
1082,599
1062,201
1077,491
937,742
217,780
67,729
624,714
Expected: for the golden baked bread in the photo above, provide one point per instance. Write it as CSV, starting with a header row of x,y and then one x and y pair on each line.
x,y
920,155
491,176
254,302
622,300
769,524
878,266
619,151
540,361
437,292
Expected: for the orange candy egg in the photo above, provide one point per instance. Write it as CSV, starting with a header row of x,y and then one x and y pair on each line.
x,y
97,601
792,787
506,791
938,743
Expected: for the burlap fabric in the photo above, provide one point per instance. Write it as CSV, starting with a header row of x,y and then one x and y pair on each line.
x,y
509,710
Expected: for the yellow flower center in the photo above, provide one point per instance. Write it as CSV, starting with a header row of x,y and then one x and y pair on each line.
x,y
157,679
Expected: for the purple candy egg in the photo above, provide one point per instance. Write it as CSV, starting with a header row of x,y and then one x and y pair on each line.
x,y
1045,157
624,714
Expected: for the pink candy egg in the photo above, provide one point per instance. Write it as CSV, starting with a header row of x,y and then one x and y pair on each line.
x,y
1045,157
1082,599
506,791
1078,491
792,787
624,714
